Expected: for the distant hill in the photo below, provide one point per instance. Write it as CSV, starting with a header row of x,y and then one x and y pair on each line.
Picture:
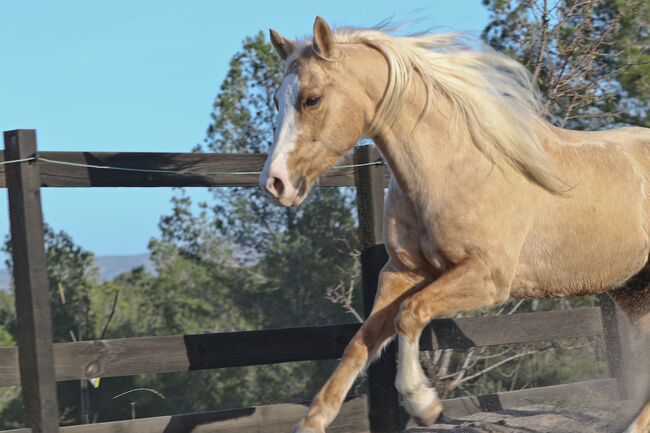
x,y
112,266
109,267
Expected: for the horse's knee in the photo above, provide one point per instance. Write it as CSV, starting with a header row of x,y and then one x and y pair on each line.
x,y
357,351
368,342
410,321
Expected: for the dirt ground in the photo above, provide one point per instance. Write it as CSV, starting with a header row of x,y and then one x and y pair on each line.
x,y
532,419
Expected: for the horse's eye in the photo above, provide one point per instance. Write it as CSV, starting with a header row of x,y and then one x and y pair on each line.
x,y
312,102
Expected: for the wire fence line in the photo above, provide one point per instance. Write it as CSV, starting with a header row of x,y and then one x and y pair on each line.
x,y
162,171
14,161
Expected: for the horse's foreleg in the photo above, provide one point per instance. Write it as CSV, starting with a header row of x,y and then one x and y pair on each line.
x,y
468,286
377,330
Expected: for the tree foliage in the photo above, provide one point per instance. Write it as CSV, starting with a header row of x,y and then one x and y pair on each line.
x,y
590,58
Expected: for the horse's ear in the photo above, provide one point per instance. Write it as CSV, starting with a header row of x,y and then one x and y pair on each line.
x,y
323,40
284,47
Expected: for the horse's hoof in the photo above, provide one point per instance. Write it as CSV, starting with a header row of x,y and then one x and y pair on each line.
x,y
430,415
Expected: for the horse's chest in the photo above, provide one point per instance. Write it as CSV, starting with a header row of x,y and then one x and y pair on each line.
x,y
419,255
410,245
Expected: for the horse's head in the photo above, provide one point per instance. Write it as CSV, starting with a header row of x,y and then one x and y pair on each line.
x,y
320,116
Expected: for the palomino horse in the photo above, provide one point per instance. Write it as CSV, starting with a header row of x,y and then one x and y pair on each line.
x,y
487,200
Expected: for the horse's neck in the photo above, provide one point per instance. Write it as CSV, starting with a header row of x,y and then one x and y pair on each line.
x,y
428,150
435,159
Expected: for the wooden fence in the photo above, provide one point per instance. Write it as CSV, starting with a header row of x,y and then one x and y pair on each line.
x,y
37,363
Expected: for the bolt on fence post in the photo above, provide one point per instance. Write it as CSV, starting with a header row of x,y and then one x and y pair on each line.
x,y
35,351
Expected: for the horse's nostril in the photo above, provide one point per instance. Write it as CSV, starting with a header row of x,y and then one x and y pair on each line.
x,y
278,187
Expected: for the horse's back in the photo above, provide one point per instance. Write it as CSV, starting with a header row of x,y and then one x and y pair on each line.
x,y
632,140
605,171
639,148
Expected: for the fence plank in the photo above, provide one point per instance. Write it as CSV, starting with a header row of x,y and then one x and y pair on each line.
x,y
32,298
126,356
280,418
55,175
123,357
517,328
601,389
277,418
385,413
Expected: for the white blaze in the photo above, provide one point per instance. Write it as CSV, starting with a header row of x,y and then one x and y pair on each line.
x,y
286,131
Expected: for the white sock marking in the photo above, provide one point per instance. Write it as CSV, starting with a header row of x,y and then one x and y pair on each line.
x,y
411,381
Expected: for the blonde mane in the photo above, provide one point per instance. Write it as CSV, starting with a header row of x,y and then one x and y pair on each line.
x,y
492,93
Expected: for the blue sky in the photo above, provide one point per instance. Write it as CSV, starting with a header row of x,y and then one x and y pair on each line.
x,y
141,76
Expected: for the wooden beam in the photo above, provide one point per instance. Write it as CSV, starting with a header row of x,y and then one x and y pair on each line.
x,y
56,175
123,357
165,354
351,419
602,390
35,353
516,328
276,418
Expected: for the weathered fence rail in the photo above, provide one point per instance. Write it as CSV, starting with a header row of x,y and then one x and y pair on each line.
x,y
353,417
37,363
202,170
277,418
123,356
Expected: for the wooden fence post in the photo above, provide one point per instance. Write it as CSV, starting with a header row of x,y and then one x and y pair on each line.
x,y
384,412
35,351
617,332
